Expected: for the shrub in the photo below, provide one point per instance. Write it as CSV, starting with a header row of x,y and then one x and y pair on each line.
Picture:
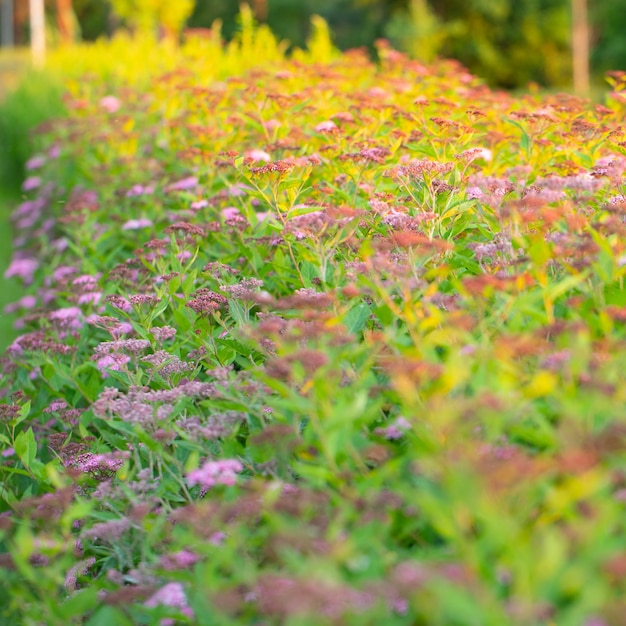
x,y
317,343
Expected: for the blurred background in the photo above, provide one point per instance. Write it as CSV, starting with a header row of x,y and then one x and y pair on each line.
x,y
509,43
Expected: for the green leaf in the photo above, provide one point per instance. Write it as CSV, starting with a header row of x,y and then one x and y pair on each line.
x,y
356,317
23,414
539,251
525,140
237,312
309,271
80,603
26,447
108,615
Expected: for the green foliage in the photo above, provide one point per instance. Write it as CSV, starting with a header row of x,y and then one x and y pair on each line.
x,y
150,15
509,43
37,99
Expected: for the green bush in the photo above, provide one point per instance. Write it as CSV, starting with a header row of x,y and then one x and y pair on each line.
x,y
37,99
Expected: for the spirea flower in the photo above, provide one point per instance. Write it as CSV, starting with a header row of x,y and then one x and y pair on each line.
x,y
222,472
173,595
191,182
32,182
136,224
110,104
326,127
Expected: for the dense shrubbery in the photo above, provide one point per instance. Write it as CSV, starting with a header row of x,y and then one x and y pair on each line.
x,y
506,42
317,342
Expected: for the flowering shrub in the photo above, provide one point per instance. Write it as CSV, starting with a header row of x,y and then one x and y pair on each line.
x,y
318,343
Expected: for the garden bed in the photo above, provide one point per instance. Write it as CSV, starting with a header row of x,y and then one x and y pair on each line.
x,y
317,341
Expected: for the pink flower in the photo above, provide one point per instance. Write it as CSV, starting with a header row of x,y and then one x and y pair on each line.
x,y
199,204
223,472
63,271
229,212
137,224
139,190
85,279
326,127
110,104
172,594
35,162
344,116
394,430
22,268
27,302
92,297
112,362
474,193
258,155
66,314
32,182
191,182
179,560
377,92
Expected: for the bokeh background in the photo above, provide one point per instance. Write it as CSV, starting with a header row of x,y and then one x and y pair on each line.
x,y
510,43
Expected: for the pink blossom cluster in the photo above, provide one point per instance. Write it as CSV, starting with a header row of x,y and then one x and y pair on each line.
x,y
222,472
173,595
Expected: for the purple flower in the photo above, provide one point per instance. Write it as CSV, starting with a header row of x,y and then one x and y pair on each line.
x,y
111,362
230,212
474,193
110,104
92,297
27,302
394,431
191,182
108,531
199,204
172,594
133,346
32,182
326,127
217,538
98,464
258,155
139,190
79,569
68,314
34,163
222,472
136,224
22,268
63,271
163,333
179,560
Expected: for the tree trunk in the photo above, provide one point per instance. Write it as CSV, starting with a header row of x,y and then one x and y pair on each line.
x,y
38,32
260,9
580,46
64,20
6,36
